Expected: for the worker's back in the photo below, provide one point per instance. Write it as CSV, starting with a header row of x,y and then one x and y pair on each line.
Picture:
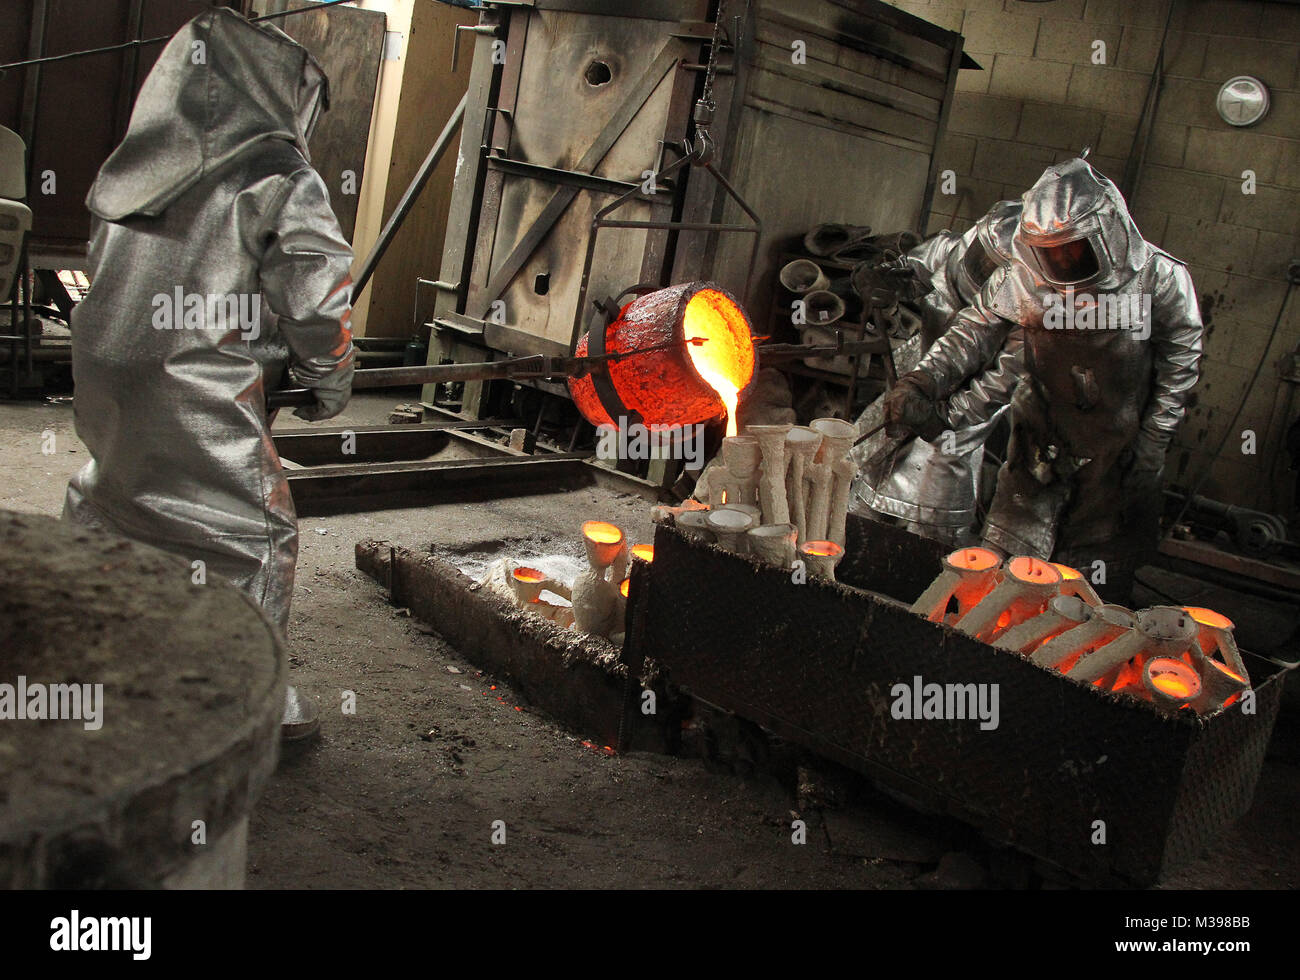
x,y
210,220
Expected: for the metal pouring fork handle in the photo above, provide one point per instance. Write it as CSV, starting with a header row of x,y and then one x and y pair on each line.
x,y
534,366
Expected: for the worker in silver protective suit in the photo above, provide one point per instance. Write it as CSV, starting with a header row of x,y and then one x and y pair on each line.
x,y
216,263
1112,350
932,483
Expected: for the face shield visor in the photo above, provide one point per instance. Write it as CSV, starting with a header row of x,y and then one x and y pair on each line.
x,y
1072,263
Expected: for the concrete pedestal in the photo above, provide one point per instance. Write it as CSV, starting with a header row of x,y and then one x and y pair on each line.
x,y
167,697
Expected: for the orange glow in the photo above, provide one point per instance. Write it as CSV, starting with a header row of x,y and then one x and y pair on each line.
x,y
1066,665
973,559
1173,678
602,533
1068,574
1130,676
1172,685
826,549
529,575
976,560
1223,668
1005,619
646,552
725,359
968,595
698,356
1033,570
1208,617
627,582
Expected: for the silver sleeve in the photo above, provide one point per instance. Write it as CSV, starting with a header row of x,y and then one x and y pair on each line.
x,y
1176,339
927,260
992,388
975,336
306,280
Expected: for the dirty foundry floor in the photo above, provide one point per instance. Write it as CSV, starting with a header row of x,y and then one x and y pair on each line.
x,y
372,804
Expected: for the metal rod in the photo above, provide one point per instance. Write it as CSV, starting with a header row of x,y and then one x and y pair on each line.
x,y
537,366
869,433
574,178
597,222
417,374
679,226
412,192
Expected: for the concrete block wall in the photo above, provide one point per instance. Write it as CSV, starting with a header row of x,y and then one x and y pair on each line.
x,y
1041,98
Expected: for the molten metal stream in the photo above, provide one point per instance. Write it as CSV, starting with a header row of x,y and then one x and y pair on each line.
x,y
713,350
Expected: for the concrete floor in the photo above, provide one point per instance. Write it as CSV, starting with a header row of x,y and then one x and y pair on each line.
x,y
373,804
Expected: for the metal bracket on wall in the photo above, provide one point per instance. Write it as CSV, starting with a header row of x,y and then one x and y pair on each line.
x,y
486,29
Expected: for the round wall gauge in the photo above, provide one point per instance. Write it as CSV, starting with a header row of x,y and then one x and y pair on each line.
x,y
1242,101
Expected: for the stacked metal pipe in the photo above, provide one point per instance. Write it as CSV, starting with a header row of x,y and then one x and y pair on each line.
x,y
1177,658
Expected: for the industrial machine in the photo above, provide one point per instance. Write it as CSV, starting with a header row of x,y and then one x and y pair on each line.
x,y
609,150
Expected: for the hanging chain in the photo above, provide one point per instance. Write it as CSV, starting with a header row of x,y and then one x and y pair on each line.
x,y
702,152
712,69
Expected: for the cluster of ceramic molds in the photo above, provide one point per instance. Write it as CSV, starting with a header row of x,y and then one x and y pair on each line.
x,y
1176,658
779,492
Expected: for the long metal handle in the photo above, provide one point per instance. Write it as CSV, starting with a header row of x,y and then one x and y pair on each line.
x,y
536,366
533,366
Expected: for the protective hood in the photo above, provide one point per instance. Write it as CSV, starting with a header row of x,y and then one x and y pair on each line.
x,y
1076,231
220,87
997,229
987,249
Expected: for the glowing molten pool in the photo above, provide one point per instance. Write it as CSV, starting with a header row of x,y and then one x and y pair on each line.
x,y
824,549
602,532
529,575
1033,570
973,559
1173,678
646,552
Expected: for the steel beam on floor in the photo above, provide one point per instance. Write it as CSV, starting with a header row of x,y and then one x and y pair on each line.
x,y
340,489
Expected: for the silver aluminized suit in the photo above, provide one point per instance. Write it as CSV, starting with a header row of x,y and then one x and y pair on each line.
x,y
933,486
208,204
1100,404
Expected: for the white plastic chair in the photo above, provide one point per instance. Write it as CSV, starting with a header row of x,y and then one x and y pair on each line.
x,y
15,216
